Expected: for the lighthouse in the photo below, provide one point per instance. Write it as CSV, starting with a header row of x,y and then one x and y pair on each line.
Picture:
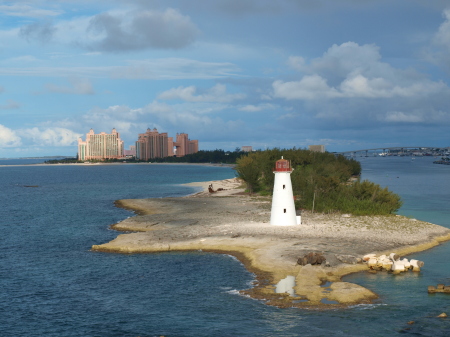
x,y
283,208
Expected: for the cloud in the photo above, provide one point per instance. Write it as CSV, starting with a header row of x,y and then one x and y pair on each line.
x,y
138,30
41,32
296,62
10,104
442,36
50,136
438,51
79,86
174,68
353,71
418,116
155,69
218,93
309,87
256,108
8,138
400,116
25,10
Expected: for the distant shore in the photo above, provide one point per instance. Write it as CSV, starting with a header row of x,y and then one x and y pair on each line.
x,y
232,222
118,163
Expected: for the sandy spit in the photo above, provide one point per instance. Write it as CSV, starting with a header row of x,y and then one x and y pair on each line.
x,y
232,222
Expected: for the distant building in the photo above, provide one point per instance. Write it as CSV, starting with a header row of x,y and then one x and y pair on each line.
x,y
131,152
153,144
316,148
246,149
100,146
184,145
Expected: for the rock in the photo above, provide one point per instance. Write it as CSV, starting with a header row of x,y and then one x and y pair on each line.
x,y
368,257
441,288
394,256
311,258
349,259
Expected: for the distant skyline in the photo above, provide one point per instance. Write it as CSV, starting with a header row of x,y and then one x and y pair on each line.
x,y
348,74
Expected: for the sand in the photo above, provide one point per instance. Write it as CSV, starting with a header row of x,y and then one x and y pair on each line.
x,y
230,221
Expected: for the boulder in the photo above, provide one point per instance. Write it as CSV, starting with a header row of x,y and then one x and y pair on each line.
x,y
349,259
311,258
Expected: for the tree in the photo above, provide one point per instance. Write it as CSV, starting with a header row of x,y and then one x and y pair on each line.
x,y
247,169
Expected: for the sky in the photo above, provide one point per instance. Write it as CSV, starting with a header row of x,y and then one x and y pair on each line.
x,y
348,74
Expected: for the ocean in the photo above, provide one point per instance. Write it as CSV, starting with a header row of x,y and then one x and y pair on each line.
x,y
51,284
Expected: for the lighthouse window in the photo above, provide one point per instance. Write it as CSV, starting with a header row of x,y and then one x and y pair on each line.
x,y
284,186
284,210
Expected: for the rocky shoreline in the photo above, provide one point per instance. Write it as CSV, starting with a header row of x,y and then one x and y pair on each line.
x,y
229,221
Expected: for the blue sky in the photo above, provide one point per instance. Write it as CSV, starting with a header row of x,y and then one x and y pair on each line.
x,y
350,74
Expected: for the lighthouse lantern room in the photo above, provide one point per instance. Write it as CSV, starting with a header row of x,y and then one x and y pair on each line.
x,y
283,207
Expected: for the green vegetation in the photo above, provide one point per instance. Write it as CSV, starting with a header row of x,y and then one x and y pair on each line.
x,y
214,156
62,161
320,181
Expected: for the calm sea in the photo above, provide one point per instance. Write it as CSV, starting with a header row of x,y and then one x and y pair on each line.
x,y
51,284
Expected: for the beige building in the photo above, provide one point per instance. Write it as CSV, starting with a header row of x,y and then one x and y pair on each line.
x,y
316,148
100,146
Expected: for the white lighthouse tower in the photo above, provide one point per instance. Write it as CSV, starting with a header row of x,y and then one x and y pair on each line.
x,y
283,208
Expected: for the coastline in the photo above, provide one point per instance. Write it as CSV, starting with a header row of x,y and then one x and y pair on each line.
x,y
232,222
118,163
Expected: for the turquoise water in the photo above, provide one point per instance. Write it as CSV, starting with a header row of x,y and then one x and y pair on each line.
x,y
51,284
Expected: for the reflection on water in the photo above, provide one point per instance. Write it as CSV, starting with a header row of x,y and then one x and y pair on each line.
x,y
327,301
286,285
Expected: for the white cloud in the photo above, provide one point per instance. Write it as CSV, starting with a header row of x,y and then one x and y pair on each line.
x,y
353,71
296,62
79,86
8,137
309,87
218,93
400,116
25,10
438,51
442,37
155,69
418,115
255,108
50,136
174,68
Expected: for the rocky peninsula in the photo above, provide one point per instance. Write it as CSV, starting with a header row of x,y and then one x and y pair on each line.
x,y
229,221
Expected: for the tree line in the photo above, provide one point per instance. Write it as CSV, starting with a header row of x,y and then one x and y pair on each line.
x,y
320,181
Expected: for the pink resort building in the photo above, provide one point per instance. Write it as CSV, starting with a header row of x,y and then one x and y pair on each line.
x,y
153,144
100,146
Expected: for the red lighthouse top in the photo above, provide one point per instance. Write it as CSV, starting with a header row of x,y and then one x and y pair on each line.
x,y
283,165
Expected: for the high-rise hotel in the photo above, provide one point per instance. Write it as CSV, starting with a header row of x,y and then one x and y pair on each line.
x,y
153,144
100,146
149,145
